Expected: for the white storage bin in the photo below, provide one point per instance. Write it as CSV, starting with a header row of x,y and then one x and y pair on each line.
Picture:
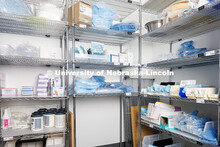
x,y
204,92
148,140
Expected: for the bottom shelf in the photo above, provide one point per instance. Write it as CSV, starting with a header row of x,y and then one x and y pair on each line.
x,y
10,134
175,133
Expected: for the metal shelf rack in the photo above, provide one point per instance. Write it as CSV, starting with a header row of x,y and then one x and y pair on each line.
x,y
37,27
30,61
35,98
172,98
196,22
210,57
102,65
111,37
18,133
175,133
31,26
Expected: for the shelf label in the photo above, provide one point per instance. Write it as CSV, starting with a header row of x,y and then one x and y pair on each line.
x,y
145,95
8,138
201,101
125,64
116,63
135,65
151,126
210,53
128,94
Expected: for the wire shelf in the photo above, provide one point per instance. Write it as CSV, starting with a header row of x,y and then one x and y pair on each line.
x,y
99,95
157,6
210,57
102,65
122,7
111,37
36,98
17,133
175,133
181,99
196,22
59,3
30,61
32,26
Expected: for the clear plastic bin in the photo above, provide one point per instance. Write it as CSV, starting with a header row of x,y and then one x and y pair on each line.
x,y
95,58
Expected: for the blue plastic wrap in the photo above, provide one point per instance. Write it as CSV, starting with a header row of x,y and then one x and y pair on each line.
x,y
127,89
159,88
97,48
114,85
102,16
84,91
86,84
80,50
187,44
126,27
108,90
143,111
17,7
100,80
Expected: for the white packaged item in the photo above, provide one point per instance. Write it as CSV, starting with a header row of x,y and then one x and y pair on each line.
x,y
41,84
113,58
43,76
190,93
20,120
28,50
203,92
9,92
6,119
49,11
40,93
123,58
57,91
174,90
149,110
40,89
49,119
36,121
187,82
6,49
60,120
130,58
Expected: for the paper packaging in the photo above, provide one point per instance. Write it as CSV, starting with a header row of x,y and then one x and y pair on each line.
x,y
82,14
174,90
9,92
167,121
57,91
123,58
114,58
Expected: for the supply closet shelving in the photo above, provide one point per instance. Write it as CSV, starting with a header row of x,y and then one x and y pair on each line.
x,y
36,27
108,37
195,23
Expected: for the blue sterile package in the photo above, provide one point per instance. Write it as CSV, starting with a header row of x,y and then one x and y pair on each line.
x,y
97,48
126,27
127,89
191,86
108,90
102,16
159,88
143,111
17,7
86,83
182,93
80,50
187,44
100,80
114,85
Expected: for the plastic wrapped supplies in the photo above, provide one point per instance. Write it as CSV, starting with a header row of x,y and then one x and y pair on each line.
x,y
17,7
159,89
28,50
97,48
130,27
102,16
6,49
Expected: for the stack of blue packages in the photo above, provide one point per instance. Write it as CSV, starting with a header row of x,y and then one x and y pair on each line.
x,y
85,86
17,7
130,27
100,80
102,16
187,49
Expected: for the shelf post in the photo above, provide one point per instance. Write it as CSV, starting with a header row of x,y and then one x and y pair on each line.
x,y
139,71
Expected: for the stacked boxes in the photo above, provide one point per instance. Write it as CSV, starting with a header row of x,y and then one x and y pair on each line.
x,y
27,91
56,89
42,85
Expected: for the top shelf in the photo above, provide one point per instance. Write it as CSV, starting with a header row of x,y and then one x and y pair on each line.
x,y
197,22
122,7
157,6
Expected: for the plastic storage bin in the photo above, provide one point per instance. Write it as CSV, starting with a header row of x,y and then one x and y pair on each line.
x,y
176,145
148,140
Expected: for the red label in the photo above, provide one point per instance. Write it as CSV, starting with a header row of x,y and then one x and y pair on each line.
x,y
6,123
